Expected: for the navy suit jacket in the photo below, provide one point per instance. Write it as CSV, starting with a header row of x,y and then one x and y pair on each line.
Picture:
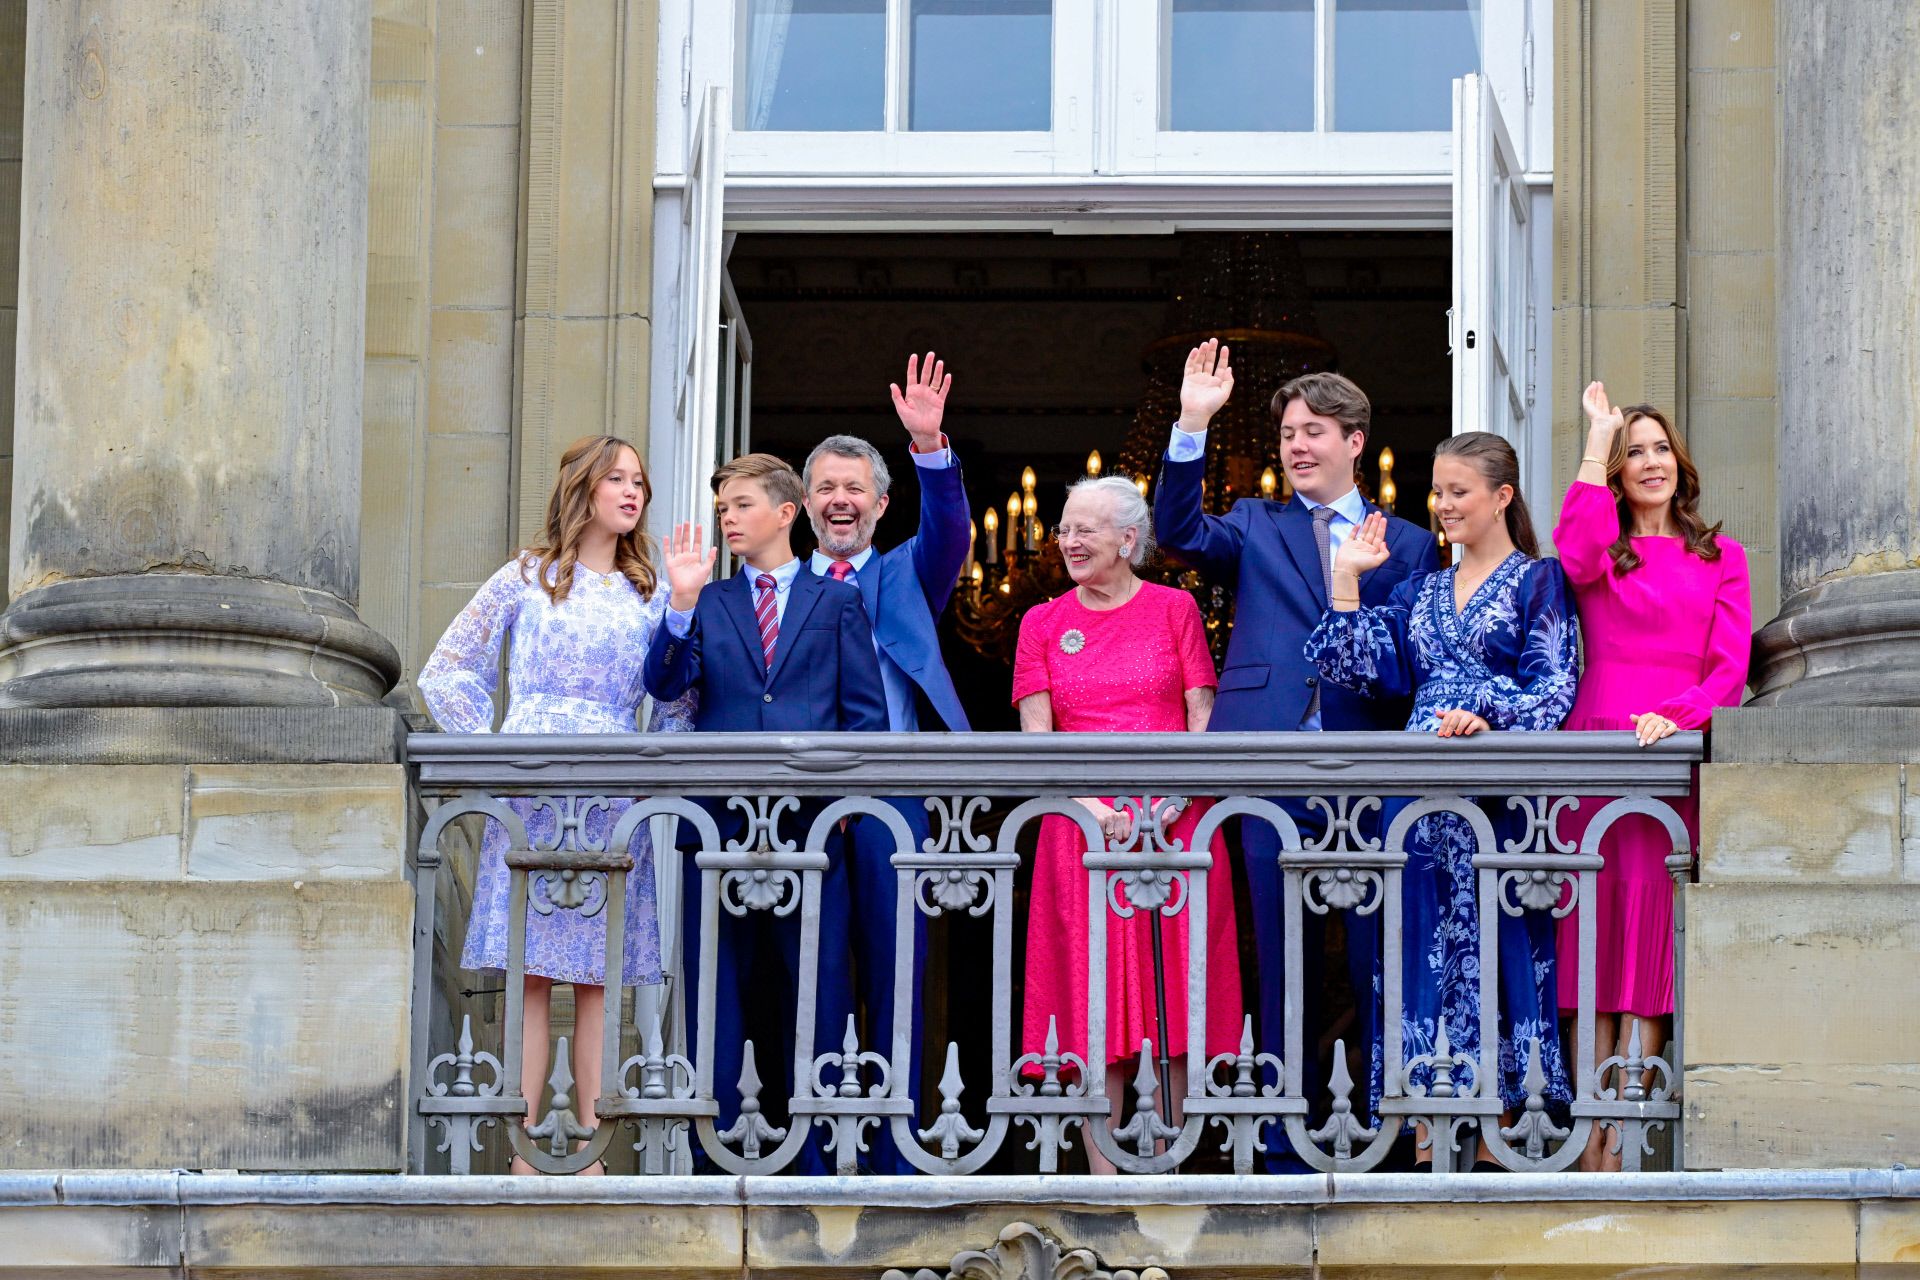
x,y
905,599
1264,550
824,674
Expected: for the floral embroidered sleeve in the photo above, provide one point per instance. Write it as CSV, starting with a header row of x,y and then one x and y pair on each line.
x,y
1540,693
1368,650
460,678
675,716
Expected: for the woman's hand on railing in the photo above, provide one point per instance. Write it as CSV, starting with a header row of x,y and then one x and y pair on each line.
x,y
1460,723
1115,824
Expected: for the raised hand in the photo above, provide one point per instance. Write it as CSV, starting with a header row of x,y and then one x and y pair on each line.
x,y
924,402
1603,420
1205,385
688,567
1365,548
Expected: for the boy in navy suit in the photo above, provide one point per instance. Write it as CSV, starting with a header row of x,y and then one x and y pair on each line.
x,y
1277,557
772,648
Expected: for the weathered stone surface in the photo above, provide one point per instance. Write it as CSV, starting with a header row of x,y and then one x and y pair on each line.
x,y
1597,1239
201,735
1849,265
1800,822
1889,1238
282,822
118,823
472,373
476,189
1802,973
1816,735
1802,1115
251,1026
1276,1240
90,1240
465,533
540,1239
478,60
248,323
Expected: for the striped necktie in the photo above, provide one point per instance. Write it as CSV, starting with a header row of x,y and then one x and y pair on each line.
x,y
766,612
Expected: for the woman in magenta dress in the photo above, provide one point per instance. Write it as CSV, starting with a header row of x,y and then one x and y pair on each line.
x,y
1668,618
1117,655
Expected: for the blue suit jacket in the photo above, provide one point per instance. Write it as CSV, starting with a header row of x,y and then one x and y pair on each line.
x,y
904,600
824,675
1265,552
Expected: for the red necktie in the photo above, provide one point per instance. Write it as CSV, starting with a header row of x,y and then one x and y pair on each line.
x,y
767,613
840,571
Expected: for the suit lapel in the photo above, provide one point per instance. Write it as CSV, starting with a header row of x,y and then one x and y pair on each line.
x,y
802,596
736,593
1296,535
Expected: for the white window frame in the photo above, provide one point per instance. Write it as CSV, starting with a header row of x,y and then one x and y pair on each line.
x,y
1109,78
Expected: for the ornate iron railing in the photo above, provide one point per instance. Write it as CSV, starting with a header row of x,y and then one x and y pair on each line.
x,y
772,785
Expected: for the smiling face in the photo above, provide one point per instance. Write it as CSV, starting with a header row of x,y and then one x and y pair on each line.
x,y
754,526
619,500
1095,552
1317,454
1649,471
843,505
1470,508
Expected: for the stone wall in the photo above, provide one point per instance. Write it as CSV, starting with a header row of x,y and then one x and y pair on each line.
x,y
207,966
1665,239
508,281
13,75
1801,1036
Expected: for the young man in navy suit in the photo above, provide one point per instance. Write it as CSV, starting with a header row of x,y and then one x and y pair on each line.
x,y
1277,557
772,648
905,590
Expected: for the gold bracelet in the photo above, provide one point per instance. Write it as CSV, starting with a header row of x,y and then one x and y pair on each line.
x,y
1340,600
1587,457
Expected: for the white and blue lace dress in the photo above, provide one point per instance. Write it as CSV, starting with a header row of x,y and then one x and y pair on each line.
x,y
573,668
1512,656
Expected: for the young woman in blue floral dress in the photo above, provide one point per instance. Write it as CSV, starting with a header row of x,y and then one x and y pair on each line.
x,y
1491,642
580,606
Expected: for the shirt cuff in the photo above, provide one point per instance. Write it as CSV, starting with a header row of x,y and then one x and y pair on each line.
x,y
679,623
936,460
1186,446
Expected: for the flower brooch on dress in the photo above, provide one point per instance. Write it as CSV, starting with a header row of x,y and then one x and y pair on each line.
x,y
1072,641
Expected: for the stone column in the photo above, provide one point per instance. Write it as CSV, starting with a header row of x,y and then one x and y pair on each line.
x,y
1849,462
192,310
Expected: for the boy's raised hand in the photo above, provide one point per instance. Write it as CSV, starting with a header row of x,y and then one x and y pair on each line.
x,y
1205,385
688,567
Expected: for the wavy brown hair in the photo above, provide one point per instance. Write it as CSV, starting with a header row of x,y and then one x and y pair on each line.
x,y
570,510
1700,536
1497,464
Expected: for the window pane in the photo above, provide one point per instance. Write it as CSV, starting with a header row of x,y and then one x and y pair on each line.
x,y
1241,65
815,64
981,64
1394,62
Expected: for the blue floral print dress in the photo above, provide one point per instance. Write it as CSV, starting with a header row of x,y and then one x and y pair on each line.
x,y
573,668
1511,655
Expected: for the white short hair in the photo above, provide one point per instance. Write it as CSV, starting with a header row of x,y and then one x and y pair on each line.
x,y
1130,511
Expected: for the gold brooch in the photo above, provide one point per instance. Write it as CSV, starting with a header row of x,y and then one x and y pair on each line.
x,y
1072,641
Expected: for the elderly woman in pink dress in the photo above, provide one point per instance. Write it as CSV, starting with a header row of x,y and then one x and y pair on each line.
x,y
1117,655
1668,618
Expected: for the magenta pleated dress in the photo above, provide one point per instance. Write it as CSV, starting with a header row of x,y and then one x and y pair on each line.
x,y
1122,670
1671,637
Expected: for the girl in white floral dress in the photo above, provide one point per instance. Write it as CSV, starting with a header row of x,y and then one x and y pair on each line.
x,y
580,606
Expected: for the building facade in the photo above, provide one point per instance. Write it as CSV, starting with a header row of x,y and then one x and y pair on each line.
x,y
305,300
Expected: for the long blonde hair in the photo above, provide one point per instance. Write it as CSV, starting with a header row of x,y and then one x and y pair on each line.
x,y
570,510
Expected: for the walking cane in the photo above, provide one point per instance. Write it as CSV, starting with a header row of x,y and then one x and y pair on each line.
x,y
1160,1010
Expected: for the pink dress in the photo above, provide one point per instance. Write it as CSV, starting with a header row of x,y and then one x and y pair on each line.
x,y
1129,673
1670,637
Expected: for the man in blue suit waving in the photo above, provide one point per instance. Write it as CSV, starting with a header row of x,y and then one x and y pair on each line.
x,y
1277,557
905,590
